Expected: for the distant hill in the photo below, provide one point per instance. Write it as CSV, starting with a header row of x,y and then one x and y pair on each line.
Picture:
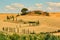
x,y
37,13
34,13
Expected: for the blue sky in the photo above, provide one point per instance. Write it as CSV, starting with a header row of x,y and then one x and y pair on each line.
x,y
13,6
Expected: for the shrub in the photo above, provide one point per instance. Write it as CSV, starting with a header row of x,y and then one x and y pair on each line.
x,y
37,12
3,37
14,37
23,37
58,31
46,13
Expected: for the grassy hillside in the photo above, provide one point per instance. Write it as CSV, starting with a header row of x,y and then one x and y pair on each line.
x,y
46,23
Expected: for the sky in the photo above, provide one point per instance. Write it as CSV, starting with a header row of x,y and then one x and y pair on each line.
x,y
15,6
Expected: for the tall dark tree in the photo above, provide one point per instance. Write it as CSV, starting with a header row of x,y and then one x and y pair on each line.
x,y
24,11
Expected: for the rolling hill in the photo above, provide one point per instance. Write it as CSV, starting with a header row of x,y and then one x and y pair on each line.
x,y
46,23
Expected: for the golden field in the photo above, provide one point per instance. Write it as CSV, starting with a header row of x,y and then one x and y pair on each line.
x,y
47,23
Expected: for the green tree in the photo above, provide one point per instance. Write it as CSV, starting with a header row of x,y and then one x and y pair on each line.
x,y
24,11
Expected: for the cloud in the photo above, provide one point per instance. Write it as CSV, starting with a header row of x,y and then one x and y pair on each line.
x,y
9,7
49,8
14,6
30,8
17,5
54,4
38,5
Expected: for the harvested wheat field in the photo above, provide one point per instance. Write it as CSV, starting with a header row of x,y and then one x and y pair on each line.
x,y
46,23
